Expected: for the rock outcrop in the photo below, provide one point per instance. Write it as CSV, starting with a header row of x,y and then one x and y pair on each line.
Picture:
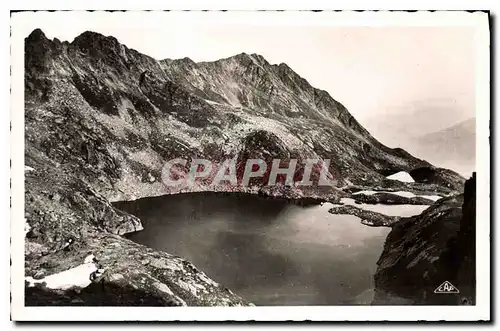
x,y
102,119
390,199
424,251
368,217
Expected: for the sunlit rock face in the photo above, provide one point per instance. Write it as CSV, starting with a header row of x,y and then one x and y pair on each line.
x,y
102,119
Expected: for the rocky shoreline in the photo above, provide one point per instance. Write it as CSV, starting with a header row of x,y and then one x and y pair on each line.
x,y
390,199
368,217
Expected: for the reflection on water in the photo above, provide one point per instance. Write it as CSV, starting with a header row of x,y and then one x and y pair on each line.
x,y
268,251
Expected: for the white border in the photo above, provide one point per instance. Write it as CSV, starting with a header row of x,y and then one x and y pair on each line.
x,y
256,5
481,311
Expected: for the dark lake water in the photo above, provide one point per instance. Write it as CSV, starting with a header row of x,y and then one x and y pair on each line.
x,y
269,251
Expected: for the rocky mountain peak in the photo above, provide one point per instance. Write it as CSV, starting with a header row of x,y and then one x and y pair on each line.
x,y
100,47
36,36
90,39
251,58
39,50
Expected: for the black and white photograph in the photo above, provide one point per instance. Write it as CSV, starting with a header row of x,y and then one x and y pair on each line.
x,y
333,163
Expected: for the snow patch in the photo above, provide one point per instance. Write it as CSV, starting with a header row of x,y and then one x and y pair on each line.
x,y
431,197
389,210
89,259
402,194
212,102
28,168
402,176
77,277
27,227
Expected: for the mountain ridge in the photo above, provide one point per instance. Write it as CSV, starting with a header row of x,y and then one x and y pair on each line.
x,y
317,98
468,124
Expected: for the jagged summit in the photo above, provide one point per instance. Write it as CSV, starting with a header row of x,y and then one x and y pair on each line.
x,y
36,34
95,39
240,57
243,69
90,38
252,56
275,88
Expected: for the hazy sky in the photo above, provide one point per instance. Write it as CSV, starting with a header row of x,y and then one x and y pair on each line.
x,y
372,70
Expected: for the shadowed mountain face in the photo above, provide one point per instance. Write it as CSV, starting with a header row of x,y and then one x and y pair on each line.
x,y
423,251
101,120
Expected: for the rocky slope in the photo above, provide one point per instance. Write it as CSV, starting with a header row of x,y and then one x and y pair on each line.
x,y
101,119
423,251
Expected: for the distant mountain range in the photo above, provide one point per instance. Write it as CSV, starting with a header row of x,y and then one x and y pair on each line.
x,y
452,147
